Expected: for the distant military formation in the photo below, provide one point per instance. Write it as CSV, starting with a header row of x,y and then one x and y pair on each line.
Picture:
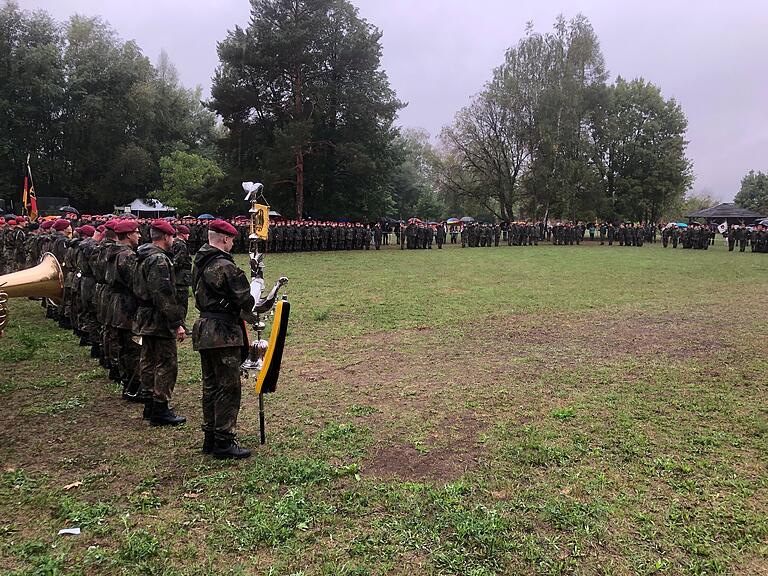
x,y
293,235
698,236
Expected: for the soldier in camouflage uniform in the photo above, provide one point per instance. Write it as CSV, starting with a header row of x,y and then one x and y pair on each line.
x,y
223,297
121,266
87,290
182,265
159,322
61,232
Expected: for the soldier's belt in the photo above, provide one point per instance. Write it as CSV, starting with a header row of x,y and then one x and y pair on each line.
x,y
219,316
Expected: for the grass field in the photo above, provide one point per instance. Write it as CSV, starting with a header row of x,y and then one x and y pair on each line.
x,y
523,410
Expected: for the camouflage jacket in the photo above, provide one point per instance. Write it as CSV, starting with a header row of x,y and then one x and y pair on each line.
x,y
70,262
84,267
121,265
223,297
58,247
182,263
154,285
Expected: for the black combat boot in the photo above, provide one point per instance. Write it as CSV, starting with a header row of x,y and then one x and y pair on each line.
x,y
64,322
96,351
162,415
208,442
114,374
227,448
146,399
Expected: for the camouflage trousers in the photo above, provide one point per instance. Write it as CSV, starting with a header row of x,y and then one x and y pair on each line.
x,y
128,359
110,344
182,297
158,367
221,390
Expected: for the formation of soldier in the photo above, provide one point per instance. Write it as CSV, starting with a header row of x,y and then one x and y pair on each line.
x,y
741,236
696,236
128,301
314,235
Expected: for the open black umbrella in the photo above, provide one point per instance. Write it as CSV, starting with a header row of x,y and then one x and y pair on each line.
x,y
69,210
467,219
206,217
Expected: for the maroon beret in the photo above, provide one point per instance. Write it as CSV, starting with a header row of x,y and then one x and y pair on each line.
x,y
87,230
11,222
181,229
20,219
46,225
101,228
110,225
126,226
164,226
223,227
61,224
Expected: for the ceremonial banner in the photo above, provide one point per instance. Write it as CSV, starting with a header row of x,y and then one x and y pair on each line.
x,y
32,204
25,196
260,220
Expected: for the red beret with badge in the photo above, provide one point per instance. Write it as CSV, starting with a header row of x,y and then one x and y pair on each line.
x,y
60,225
223,227
126,226
164,226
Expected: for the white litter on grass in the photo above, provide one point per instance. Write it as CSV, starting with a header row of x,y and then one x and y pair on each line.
x,y
72,531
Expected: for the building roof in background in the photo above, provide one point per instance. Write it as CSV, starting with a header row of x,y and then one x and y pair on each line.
x,y
146,205
725,210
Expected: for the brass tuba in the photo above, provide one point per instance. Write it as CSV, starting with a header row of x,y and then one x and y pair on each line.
x,y
45,280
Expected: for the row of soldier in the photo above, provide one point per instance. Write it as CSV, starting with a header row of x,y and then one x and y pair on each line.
x,y
740,235
128,301
296,235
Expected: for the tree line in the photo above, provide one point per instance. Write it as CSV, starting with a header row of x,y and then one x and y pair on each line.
x,y
548,137
92,111
300,102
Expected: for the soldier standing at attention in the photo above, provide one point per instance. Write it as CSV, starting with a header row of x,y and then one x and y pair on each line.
x,y
223,297
160,322
122,306
182,267
440,236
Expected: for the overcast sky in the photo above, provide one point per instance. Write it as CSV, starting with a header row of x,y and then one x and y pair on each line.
x,y
710,55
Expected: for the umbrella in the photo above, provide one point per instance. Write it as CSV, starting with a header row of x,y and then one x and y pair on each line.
x,y
467,219
275,214
206,217
414,221
453,221
764,222
682,225
69,210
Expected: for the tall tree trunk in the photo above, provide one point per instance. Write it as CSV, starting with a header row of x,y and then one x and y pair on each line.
x,y
298,115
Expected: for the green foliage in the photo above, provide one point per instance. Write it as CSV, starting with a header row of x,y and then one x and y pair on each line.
x,y
96,115
753,193
308,108
187,181
547,138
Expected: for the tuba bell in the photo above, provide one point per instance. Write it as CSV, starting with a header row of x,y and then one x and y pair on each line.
x,y
45,280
